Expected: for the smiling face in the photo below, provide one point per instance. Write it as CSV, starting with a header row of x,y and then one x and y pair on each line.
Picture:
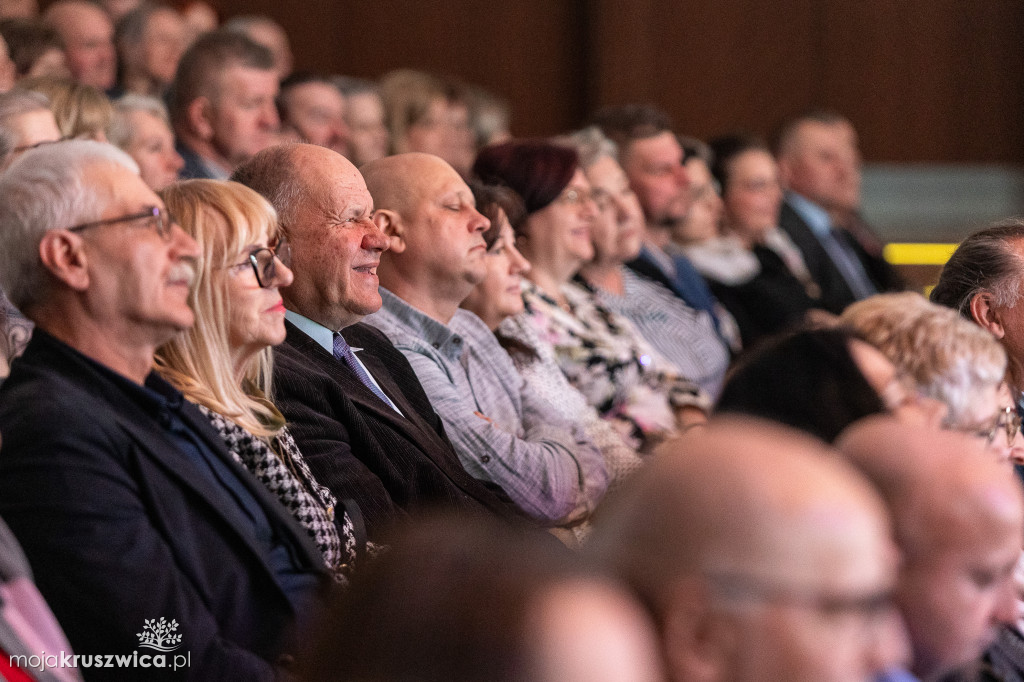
x,y
336,246
558,239
139,282
255,314
753,197
499,294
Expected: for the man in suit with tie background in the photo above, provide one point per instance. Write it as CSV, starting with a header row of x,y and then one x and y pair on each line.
x,y
820,168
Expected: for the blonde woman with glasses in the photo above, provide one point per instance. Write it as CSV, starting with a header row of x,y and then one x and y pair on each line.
x,y
223,364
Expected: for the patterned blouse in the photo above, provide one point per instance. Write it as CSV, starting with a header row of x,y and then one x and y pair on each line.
x,y
607,360
288,477
539,368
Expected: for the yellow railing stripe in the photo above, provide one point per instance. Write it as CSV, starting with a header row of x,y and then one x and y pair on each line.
x,y
918,254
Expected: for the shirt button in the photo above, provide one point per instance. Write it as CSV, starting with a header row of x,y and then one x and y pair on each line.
x,y
457,340
485,458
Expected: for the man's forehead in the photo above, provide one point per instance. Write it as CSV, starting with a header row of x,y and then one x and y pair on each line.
x,y
239,78
657,148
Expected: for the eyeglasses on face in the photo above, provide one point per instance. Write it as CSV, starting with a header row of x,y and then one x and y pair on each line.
x,y
1007,420
158,218
264,262
575,197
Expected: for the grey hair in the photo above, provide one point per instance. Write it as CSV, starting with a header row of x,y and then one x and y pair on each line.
x,y
273,174
591,144
15,103
120,131
950,359
984,262
45,189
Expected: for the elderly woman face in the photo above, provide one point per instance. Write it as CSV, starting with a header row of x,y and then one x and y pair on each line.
x,y
994,419
557,237
256,310
152,147
618,225
753,197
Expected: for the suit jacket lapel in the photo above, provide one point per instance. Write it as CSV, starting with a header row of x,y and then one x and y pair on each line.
x,y
409,422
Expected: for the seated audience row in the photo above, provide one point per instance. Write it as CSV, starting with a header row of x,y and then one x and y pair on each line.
x,y
274,481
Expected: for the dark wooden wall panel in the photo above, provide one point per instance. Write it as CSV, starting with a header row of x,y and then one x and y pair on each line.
x,y
923,80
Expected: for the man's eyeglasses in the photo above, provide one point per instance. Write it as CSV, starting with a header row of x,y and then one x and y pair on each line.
x,y
1006,420
264,262
158,217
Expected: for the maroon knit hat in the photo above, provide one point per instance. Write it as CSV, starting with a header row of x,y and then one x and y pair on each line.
x,y
537,170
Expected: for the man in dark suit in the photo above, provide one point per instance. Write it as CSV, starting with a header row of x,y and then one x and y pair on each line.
x,y
133,515
819,166
353,403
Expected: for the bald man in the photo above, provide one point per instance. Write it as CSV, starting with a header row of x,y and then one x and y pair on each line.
x,y
958,519
88,37
504,433
754,572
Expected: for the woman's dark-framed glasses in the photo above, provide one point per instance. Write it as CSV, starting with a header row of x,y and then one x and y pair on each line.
x,y
264,262
159,218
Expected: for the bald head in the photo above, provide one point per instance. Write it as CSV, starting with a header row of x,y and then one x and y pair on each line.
x,y
398,182
437,250
744,513
958,518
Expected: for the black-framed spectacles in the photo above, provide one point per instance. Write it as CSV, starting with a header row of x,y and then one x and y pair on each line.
x,y
264,262
160,218
1006,419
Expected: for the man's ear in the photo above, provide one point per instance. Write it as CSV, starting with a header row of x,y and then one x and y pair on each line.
x,y
199,113
390,223
986,314
64,258
698,639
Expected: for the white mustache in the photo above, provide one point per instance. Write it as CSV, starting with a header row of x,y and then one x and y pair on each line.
x,y
183,271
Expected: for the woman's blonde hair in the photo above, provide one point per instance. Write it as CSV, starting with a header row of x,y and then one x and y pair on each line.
x,y
224,218
80,110
950,359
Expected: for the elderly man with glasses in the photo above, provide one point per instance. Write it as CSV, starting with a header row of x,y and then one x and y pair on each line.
x,y
141,530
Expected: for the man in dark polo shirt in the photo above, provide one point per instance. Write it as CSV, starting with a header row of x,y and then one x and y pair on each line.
x,y
128,506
